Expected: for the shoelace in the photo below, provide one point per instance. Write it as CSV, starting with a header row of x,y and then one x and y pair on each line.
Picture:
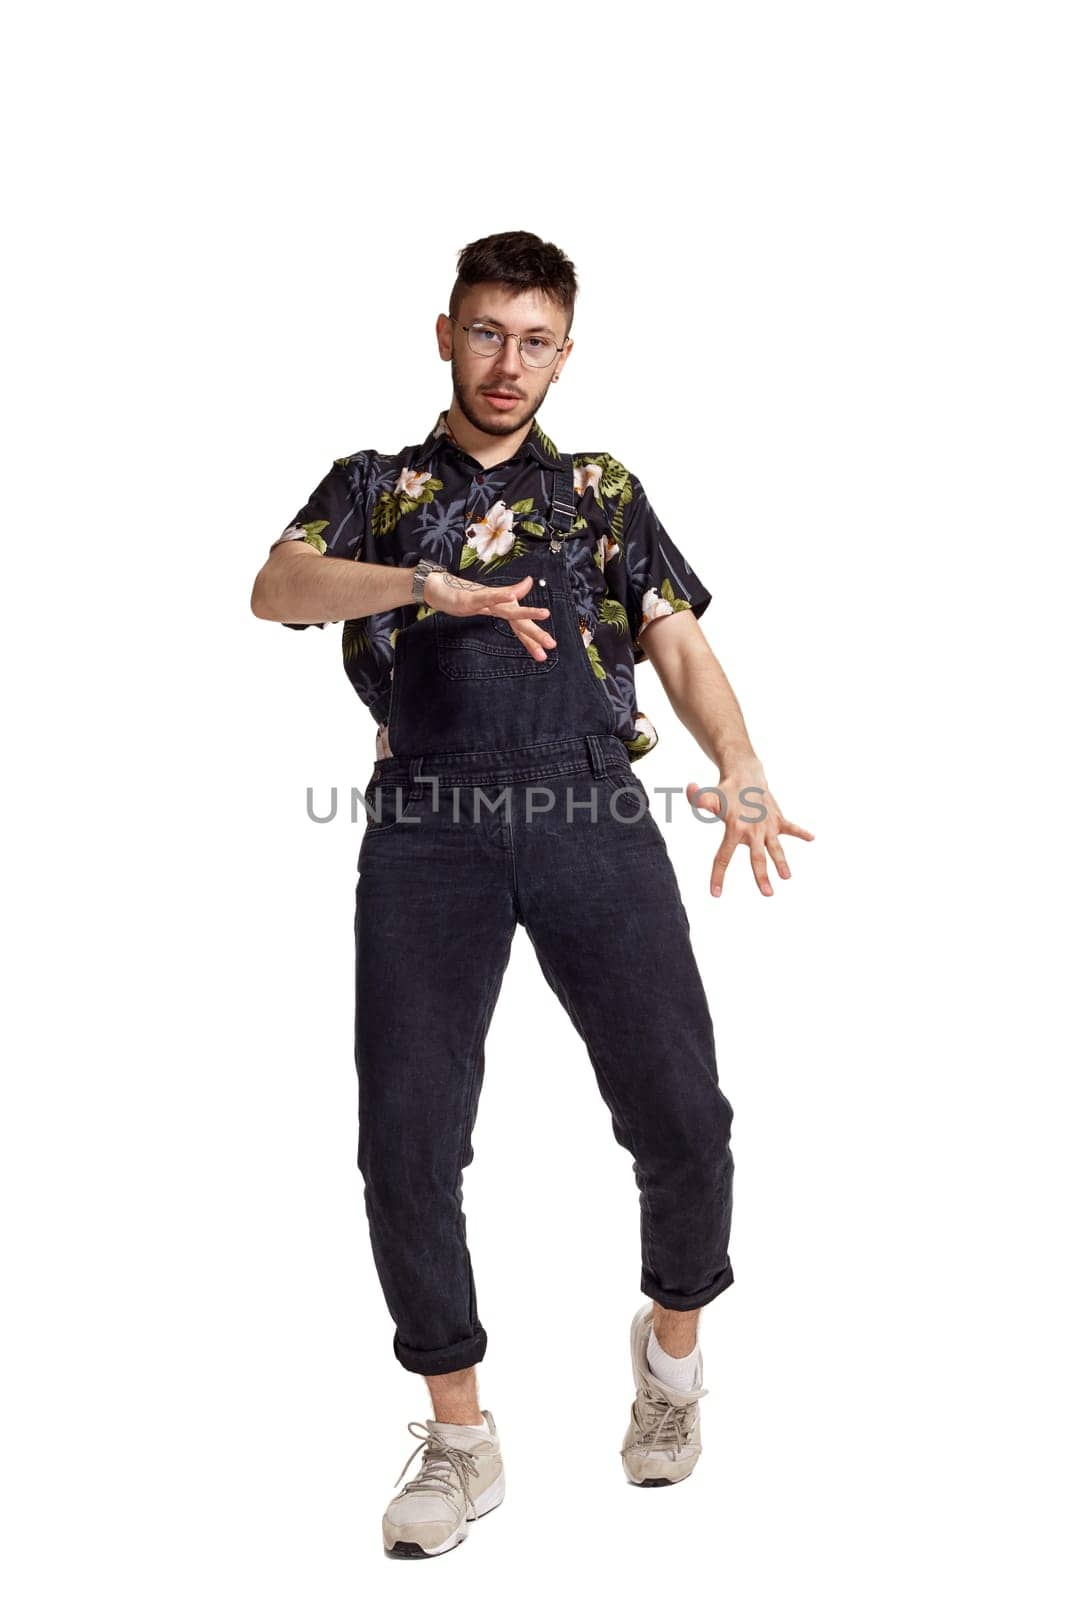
x,y
656,1416
439,1462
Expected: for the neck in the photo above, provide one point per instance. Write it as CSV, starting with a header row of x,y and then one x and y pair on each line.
x,y
488,448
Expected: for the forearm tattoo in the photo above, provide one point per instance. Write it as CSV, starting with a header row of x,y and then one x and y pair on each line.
x,y
455,582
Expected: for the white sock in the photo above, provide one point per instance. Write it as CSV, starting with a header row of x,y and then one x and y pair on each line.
x,y
478,1427
678,1371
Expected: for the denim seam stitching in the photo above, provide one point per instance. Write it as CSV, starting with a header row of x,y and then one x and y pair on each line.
x,y
578,740
406,801
621,783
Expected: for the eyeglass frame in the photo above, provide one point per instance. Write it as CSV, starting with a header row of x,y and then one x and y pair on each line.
x,y
466,327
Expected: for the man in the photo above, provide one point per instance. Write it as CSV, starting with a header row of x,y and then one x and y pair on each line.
x,y
500,674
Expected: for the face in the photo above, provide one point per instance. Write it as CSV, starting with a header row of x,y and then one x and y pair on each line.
x,y
477,379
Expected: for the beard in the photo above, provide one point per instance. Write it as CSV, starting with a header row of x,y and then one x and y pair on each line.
x,y
479,413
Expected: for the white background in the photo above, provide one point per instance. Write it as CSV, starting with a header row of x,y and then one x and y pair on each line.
x,y
821,268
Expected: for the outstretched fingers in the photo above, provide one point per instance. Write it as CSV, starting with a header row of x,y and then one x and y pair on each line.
x,y
794,829
773,844
721,862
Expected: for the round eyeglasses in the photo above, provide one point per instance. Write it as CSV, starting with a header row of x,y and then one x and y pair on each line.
x,y
535,349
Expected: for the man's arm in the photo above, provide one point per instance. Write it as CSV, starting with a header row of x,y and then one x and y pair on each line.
x,y
298,584
700,695
697,688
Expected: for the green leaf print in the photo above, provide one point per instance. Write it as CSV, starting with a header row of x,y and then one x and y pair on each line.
x,y
597,666
615,481
613,612
544,442
385,515
614,478
667,592
619,516
313,535
520,507
354,638
614,484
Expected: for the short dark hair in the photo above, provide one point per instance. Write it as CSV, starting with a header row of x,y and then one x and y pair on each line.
x,y
519,261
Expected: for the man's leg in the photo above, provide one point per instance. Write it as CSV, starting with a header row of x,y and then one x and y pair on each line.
x,y
601,905
434,924
675,1330
455,1397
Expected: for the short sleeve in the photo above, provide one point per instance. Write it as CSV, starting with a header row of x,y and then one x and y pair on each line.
x,y
333,519
659,580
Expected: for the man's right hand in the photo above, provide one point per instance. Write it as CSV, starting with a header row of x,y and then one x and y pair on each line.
x,y
459,597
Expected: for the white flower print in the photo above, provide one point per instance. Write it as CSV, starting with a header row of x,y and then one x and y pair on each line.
x,y
587,635
653,605
492,536
587,477
641,725
411,483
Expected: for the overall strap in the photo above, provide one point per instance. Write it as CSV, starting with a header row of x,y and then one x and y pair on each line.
x,y
561,516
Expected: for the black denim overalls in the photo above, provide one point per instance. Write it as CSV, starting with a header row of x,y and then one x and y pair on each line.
x,y
503,803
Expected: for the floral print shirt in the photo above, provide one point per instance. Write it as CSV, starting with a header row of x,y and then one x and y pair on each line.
x,y
434,500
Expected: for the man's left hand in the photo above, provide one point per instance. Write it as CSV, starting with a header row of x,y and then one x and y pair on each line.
x,y
761,838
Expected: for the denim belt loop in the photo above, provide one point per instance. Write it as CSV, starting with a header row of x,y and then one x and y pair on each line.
x,y
416,777
594,745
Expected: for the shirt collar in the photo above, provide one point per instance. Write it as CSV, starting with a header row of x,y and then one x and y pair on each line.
x,y
536,444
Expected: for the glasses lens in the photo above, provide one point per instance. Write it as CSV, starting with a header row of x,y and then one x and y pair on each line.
x,y
483,341
538,351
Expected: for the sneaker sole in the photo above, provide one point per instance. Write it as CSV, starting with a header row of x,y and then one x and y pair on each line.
x,y
408,1550
657,1483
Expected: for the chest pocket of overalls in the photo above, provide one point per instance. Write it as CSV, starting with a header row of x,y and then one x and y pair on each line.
x,y
488,647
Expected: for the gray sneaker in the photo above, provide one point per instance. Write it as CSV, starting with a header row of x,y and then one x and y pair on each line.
x,y
662,1442
459,1479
